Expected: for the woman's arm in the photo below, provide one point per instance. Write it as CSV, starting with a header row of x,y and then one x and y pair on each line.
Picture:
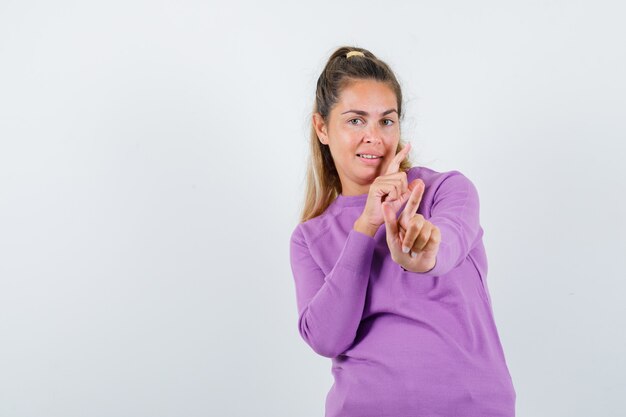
x,y
331,307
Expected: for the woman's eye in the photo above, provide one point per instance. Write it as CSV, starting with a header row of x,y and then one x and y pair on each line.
x,y
354,121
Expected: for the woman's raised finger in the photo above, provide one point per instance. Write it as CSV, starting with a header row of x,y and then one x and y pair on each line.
x,y
414,201
394,165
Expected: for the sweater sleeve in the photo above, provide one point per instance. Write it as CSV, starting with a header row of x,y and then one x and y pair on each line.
x,y
455,211
331,306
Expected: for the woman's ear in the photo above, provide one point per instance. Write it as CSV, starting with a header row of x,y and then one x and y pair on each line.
x,y
320,128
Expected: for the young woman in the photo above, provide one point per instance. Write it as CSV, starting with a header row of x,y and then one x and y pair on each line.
x,y
389,265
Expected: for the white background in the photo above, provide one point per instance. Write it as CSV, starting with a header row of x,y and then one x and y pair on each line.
x,y
152,160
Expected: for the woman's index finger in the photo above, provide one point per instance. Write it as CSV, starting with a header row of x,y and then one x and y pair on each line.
x,y
394,166
414,200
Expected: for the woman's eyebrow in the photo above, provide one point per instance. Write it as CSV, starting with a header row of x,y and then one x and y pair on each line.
x,y
364,113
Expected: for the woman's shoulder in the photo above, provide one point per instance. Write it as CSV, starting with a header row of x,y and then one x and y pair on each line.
x,y
429,175
435,180
310,229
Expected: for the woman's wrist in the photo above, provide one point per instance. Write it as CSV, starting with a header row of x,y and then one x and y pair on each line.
x,y
365,228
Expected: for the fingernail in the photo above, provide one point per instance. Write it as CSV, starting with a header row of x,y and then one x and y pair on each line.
x,y
413,254
405,249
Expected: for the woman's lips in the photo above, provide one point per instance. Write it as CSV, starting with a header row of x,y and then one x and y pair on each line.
x,y
372,160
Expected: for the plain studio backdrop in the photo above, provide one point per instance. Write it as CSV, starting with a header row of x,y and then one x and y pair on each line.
x,y
152,162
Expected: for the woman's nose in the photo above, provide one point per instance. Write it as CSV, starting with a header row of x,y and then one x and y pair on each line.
x,y
373,134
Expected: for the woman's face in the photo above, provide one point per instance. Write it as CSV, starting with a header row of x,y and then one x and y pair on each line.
x,y
362,132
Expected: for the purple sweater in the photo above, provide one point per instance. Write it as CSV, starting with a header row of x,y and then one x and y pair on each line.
x,y
403,344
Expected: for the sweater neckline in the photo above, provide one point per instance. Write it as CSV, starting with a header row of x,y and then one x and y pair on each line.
x,y
351,200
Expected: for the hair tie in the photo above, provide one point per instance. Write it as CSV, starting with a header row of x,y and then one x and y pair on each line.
x,y
354,53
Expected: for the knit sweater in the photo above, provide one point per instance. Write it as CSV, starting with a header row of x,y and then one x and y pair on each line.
x,y
402,343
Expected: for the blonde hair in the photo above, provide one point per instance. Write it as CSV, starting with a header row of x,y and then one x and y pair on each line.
x,y
322,180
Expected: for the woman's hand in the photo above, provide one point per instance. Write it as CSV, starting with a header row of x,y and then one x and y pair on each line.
x,y
392,188
412,240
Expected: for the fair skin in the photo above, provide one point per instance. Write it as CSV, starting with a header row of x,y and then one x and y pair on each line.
x,y
362,131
